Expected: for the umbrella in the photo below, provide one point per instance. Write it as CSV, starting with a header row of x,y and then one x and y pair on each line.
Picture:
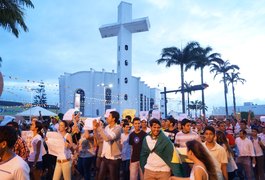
x,y
6,120
34,111
69,113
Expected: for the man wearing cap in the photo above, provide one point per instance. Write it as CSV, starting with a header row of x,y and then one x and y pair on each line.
x,y
144,124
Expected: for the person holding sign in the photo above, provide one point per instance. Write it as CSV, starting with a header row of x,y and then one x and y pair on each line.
x,y
63,164
111,151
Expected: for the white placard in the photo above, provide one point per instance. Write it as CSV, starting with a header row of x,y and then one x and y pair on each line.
x,y
144,114
108,111
55,143
182,116
27,136
262,118
89,123
156,114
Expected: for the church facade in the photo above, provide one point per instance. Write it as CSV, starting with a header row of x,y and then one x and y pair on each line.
x,y
93,92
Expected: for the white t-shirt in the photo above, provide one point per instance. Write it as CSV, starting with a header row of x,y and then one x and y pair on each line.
x,y
33,148
14,169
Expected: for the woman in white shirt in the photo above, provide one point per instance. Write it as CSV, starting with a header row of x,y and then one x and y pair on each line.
x,y
36,151
63,164
203,167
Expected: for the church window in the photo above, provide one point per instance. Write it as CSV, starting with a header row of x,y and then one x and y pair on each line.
x,y
126,47
126,62
152,102
119,48
125,80
145,103
118,62
118,80
141,102
125,97
107,98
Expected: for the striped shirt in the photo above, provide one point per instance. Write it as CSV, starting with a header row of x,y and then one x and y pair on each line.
x,y
181,138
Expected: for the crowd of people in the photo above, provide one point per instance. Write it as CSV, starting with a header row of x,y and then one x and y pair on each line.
x,y
134,148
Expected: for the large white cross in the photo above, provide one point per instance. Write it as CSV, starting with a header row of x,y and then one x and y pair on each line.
x,y
124,29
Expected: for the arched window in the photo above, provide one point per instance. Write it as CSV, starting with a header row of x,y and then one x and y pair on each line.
x,y
126,62
125,80
141,102
107,98
79,101
126,47
125,97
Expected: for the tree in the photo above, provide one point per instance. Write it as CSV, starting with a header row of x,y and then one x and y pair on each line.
x,y
12,15
187,85
203,58
195,105
40,98
175,56
223,67
232,78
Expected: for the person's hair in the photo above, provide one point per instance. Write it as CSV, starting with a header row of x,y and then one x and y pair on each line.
x,y
128,117
185,121
8,134
38,125
16,126
125,120
115,115
66,125
209,128
221,139
125,124
220,122
136,119
154,121
171,120
255,129
201,153
244,122
243,131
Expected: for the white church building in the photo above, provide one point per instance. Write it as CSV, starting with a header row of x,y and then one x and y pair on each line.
x,y
94,92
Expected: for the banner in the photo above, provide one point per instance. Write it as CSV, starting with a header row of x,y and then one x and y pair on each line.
x,y
144,114
108,111
156,114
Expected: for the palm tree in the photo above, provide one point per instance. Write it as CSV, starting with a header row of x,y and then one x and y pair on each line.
x,y
12,15
187,86
223,67
195,105
232,78
204,58
175,56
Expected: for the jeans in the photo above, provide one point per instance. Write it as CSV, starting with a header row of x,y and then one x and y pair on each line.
x,y
111,166
244,165
62,168
136,171
126,169
84,167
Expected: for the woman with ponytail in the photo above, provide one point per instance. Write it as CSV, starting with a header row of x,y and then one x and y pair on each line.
x,y
36,151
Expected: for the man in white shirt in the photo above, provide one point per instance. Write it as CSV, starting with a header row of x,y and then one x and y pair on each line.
x,y
217,152
158,155
246,152
111,151
12,166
